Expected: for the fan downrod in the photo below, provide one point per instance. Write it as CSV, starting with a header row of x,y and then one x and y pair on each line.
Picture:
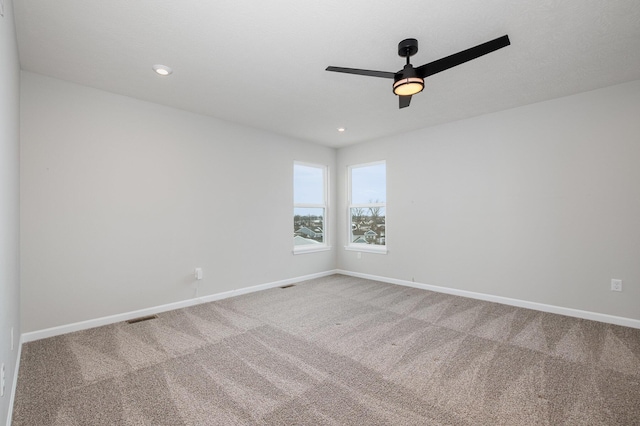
x,y
408,47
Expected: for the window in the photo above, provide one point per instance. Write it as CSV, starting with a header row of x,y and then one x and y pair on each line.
x,y
368,207
309,207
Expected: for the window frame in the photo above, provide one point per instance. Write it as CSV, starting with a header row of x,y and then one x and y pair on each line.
x,y
324,246
371,248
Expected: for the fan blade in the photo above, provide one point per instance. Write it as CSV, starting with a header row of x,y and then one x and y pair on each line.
x,y
370,73
404,101
461,57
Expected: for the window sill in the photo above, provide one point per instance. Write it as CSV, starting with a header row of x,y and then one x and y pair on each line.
x,y
311,250
367,248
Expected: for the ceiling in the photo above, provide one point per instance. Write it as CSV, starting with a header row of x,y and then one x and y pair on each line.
x,y
262,63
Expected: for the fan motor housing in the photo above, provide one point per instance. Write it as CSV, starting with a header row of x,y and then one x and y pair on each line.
x,y
407,72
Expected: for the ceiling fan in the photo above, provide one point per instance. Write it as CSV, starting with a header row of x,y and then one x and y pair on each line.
x,y
409,80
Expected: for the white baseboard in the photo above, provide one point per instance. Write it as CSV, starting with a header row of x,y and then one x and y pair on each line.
x,y
97,322
14,384
595,316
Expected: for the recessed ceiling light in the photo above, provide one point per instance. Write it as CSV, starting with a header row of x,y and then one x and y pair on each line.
x,y
162,69
341,129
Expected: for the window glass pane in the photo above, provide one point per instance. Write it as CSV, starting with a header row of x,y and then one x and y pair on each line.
x,y
369,184
368,225
308,226
308,184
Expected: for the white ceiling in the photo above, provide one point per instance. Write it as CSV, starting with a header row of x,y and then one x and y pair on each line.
x,y
262,63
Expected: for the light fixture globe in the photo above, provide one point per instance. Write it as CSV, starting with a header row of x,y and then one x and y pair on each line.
x,y
407,83
408,86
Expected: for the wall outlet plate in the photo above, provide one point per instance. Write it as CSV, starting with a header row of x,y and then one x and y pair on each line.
x,y
616,285
2,379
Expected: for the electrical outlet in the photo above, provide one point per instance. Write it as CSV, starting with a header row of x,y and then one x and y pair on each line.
x,y
2,379
616,285
359,255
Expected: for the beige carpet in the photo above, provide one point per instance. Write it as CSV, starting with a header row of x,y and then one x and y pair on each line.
x,y
336,351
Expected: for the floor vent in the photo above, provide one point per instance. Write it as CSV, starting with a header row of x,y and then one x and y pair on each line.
x,y
288,286
147,318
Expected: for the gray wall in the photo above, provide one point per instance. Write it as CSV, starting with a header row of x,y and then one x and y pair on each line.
x,y
122,199
539,203
9,201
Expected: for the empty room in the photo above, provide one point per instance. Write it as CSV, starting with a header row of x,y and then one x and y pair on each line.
x,y
319,213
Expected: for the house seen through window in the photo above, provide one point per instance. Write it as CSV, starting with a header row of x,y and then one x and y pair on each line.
x,y
367,206
309,207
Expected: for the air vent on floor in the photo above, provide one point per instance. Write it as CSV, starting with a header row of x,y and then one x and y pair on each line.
x,y
147,318
288,286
